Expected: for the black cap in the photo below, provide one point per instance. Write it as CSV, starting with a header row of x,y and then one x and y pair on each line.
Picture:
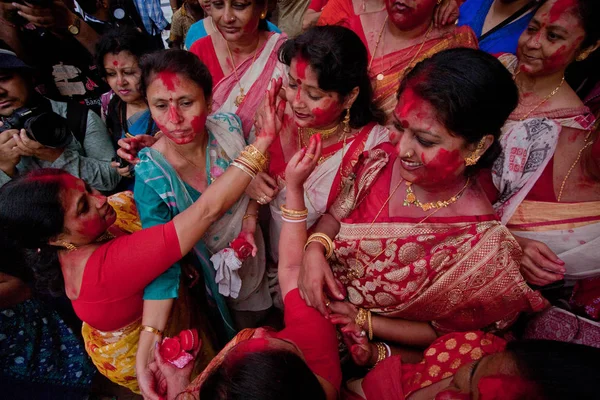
x,y
9,60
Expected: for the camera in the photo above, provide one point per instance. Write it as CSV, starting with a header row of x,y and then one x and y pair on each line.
x,y
45,127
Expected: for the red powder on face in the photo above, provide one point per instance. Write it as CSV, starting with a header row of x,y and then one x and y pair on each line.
x,y
169,79
198,123
442,168
116,63
417,13
404,123
326,115
173,114
301,65
559,8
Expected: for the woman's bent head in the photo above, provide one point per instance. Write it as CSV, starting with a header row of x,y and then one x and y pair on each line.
x,y
239,21
117,57
328,74
262,368
451,108
48,207
178,88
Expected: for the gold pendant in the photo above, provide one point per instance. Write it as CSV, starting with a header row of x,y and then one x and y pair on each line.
x,y
380,77
411,198
240,98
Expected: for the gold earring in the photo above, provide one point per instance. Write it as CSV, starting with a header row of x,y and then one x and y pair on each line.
x,y
346,121
263,15
439,2
582,56
475,156
67,245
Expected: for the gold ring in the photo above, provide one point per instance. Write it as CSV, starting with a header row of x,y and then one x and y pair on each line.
x,y
311,156
327,303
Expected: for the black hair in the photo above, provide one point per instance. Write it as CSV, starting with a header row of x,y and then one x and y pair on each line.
x,y
340,60
588,12
31,214
178,62
472,92
118,39
559,370
265,375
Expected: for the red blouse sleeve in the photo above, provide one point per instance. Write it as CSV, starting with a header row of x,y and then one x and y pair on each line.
x,y
317,5
315,336
129,263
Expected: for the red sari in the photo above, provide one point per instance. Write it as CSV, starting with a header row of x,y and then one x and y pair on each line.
x,y
459,273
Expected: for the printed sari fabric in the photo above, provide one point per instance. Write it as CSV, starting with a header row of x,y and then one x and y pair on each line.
x,y
459,273
40,355
254,76
393,380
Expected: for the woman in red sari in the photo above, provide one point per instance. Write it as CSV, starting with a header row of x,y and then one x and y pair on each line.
x,y
398,35
241,55
417,246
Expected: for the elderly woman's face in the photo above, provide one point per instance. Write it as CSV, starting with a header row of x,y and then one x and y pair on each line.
x,y
178,106
409,14
236,19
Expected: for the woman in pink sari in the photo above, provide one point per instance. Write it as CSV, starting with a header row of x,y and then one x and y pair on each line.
x,y
241,55
398,35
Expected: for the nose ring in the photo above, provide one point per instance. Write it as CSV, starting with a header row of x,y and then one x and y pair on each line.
x,y
409,154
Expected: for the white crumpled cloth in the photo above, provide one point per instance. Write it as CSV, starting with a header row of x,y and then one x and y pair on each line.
x,y
226,265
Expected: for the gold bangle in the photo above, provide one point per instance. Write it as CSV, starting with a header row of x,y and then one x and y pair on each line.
x,y
381,352
246,216
251,162
291,213
324,240
361,318
255,170
151,330
245,169
370,321
257,154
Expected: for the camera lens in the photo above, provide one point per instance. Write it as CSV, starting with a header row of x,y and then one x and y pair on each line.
x,y
49,129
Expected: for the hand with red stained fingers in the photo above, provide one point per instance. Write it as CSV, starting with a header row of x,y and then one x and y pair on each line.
x,y
170,381
270,118
539,265
361,350
248,236
446,13
129,147
342,313
262,188
303,163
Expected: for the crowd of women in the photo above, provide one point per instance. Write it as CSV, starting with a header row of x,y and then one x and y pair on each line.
x,y
373,209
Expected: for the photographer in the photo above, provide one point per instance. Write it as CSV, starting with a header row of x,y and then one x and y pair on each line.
x,y
54,135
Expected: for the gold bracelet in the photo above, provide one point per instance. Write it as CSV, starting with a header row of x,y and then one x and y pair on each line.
x,y
324,240
255,165
257,154
361,318
381,352
246,216
370,320
248,165
151,330
249,172
291,213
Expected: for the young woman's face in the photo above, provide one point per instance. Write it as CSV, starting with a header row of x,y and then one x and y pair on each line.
x,y
552,40
236,19
430,155
178,106
312,106
123,75
409,14
87,212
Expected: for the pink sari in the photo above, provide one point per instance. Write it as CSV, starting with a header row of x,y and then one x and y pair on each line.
x,y
254,78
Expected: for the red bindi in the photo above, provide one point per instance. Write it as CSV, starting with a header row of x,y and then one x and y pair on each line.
x,y
116,63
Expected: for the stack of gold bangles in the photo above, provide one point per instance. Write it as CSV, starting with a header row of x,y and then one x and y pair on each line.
x,y
293,215
251,161
383,352
364,317
324,240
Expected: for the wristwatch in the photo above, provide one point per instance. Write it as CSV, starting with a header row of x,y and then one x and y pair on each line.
x,y
74,29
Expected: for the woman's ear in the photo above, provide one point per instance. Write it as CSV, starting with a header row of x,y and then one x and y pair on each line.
x,y
479,148
351,98
585,53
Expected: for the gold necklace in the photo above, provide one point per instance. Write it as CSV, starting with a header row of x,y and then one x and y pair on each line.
x,y
587,143
106,236
381,76
545,99
240,98
411,198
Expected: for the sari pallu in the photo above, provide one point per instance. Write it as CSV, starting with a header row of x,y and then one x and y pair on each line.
x,y
394,66
255,77
459,273
326,181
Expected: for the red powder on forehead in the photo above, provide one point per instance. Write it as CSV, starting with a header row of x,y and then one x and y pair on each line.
x,y
301,65
559,8
169,79
66,181
116,63
253,345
